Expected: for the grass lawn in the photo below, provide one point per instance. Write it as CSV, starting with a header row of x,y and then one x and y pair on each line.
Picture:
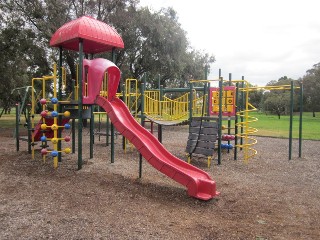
x,y
271,125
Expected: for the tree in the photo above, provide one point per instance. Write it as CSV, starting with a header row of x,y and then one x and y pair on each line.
x,y
311,85
278,101
255,98
155,43
20,58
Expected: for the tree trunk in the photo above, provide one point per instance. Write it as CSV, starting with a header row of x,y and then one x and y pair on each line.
x,y
313,114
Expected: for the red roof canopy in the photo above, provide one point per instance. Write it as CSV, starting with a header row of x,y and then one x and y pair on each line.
x,y
97,36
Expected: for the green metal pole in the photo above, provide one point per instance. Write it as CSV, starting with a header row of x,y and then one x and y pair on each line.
x,y
159,81
107,130
291,121
29,128
142,120
73,122
190,102
112,143
229,120
99,123
242,104
17,127
300,119
73,132
80,104
220,117
59,106
112,127
125,101
161,93
236,123
206,90
91,131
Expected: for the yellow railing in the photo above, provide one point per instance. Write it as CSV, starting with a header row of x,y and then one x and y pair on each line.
x,y
197,106
132,95
166,109
152,104
104,86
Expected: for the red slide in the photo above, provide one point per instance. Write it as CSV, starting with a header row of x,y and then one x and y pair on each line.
x,y
198,182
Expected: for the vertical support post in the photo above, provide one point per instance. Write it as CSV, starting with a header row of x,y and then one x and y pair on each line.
x,y
161,94
73,132
300,119
91,131
241,109
190,102
204,109
107,129
229,120
236,123
59,98
29,128
206,90
125,101
142,120
112,127
159,81
73,125
160,133
80,104
291,121
220,117
17,127
99,123
112,143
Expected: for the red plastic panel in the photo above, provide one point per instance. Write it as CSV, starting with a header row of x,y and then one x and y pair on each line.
x,y
96,70
97,36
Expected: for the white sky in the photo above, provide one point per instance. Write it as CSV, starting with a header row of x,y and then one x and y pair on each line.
x,y
262,40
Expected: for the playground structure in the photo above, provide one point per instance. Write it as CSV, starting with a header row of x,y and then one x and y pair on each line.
x,y
97,83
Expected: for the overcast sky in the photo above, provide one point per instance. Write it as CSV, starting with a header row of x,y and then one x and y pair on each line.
x,y
262,40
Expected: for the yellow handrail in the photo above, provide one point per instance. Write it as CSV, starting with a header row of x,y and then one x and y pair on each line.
x,y
166,109
132,95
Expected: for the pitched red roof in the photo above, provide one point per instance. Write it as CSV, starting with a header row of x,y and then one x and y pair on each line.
x,y
97,36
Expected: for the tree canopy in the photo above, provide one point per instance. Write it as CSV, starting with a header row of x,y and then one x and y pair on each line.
x,y
155,43
311,84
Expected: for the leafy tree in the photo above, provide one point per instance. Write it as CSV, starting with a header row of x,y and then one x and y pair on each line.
x,y
155,43
278,101
255,98
20,58
311,85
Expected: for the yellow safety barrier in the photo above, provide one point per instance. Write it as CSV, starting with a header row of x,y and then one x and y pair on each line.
x,y
132,95
197,106
166,109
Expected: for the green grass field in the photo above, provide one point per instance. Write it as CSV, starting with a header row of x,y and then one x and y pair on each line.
x,y
267,125
270,125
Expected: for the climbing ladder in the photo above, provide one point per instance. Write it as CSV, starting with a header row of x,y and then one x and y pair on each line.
x,y
202,136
